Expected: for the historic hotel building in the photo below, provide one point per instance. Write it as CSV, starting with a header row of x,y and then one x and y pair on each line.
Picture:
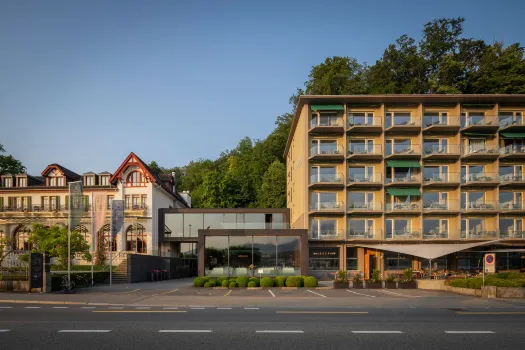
x,y
374,178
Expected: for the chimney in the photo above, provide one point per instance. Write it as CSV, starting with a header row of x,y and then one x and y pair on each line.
x,y
174,187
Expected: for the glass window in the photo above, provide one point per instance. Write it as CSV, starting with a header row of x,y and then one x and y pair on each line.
x,y
324,259
192,224
254,221
351,258
216,255
188,250
357,174
241,255
396,261
265,252
213,221
175,223
289,255
278,221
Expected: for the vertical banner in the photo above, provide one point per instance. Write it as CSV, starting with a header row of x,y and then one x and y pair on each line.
x,y
117,216
99,216
76,204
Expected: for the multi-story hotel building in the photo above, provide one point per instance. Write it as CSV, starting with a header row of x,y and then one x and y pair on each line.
x,y
372,177
26,199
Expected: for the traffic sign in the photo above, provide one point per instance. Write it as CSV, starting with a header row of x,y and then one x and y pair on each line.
x,y
490,263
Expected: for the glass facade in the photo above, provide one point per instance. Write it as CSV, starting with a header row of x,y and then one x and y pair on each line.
x,y
324,259
397,261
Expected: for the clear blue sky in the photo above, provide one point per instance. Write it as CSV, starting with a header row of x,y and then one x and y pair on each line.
x,y
83,83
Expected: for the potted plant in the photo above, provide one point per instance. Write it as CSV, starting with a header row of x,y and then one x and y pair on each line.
x,y
357,281
340,281
375,280
390,282
408,281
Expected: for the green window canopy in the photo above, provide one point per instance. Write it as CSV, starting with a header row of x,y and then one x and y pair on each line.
x,y
327,107
404,191
403,164
513,135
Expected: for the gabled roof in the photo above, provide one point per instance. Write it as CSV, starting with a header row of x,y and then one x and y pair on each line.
x,y
70,175
89,173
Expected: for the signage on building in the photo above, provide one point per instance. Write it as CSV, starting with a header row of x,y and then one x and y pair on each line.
x,y
76,204
490,263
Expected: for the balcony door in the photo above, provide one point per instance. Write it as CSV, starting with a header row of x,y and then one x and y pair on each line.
x,y
360,200
360,118
397,227
324,228
324,200
360,146
361,228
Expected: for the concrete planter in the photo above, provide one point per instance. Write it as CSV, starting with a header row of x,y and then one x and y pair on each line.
x,y
357,285
411,285
391,285
340,285
372,285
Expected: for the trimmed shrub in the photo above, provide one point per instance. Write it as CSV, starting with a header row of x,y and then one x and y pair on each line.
x,y
267,282
220,279
310,282
209,284
225,283
280,281
301,281
242,281
255,280
232,280
205,278
232,285
252,284
293,281
198,282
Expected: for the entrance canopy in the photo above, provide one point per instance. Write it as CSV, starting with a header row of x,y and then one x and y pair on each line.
x,y
426,250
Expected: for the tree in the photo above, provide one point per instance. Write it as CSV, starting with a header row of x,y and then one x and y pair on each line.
x,y
157,170
273,189
10,165
53,241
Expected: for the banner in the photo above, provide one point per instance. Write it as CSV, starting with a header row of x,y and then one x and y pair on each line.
x,y
76,204
99,211
117,216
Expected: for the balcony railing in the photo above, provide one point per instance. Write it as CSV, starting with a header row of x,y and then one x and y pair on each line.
x,y
480,206
435,234
440,120
511,178
481,234
326,150
512,149
136,207
403,207
327,206
512,234
362,149
360,206
511,206
38,208
480,150
398,179
505,121
487,120
364,234
326,179
362,178
441,178
431,150
440,206
365,121
480,177
402,121
401,150
403,234
329,122
327,235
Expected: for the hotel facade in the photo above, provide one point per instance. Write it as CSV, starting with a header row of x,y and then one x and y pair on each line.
x,y
377,180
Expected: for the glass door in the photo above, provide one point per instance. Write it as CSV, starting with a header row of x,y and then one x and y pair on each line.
x,y
370,173
443,200
444,173
443,146
388,227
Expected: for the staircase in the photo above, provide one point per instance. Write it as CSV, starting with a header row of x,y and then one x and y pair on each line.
x,y
120,273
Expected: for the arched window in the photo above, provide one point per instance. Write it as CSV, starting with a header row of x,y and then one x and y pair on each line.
x,y
136,239
21,238
135,179
83,232
104,234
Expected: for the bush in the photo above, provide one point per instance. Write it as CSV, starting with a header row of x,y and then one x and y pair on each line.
x,y
253,284
198,282
510,275
232,280
225,283
341,276
390,278
376,276
267,282
280,281
232,285
220,279
293,281
358,278
255,280
209,284
301,280
242,281
504,279
205,278
409,275
310,282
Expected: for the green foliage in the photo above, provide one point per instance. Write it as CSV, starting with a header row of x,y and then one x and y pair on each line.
x,y
503,279
310,282
376,276
409,275
242,281
253,284
232,285
10,165
267,282
294,281
209,284
390,278
220,279
205,278
341,276
280,281
233,280
198,282
255,280
358,278
225,283
273,189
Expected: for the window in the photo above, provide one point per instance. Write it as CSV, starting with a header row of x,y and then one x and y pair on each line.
x,y
135,201
435,173
351,258
362,174
127,202
472,173
361,200
7,182
324,201
397,227
510,200
435,200
511,172
110,201
360,118
472,118
324,259
21,182
135,179
21,238
511,227
435,228
324,228
324,147
435,118
104,239
136,239
397,261
361,146
399,146
398,118
473,200
472,226
326,119
510,118
143,200
89,180
324,174
361,228
104,180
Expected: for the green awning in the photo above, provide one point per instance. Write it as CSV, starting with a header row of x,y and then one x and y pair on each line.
x,y
404,191
403,164
513,135
327,107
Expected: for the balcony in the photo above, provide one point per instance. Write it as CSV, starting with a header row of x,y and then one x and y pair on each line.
x,y
443,207
328,235
327,181
404,152
329,152
403,208
364,124
332,125
36,209
403,181
364,152
440,124
435,152
365,181
480,180
511,123
475,152
510,180
441,180
403,235
512,234
138,208
484,124
435,234
327,208
474,234
364,234
486,207
512,207
512,152
402,124
365,207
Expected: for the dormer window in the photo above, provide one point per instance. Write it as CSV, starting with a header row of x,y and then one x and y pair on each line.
x,y
89,181
21,182
55,179
135,179
7,182
104,180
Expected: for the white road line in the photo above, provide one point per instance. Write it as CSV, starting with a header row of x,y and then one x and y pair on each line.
x,y
365,295
143,308
170,308
4,330
197,308
185,331
469,332
273,295
116,308
224,308
251,308
88,307
401,295
324,296
278,331
32,307
84,331
377,332
60,307
6,307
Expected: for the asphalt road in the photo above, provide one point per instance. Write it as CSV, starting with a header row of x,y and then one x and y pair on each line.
x,y
27,326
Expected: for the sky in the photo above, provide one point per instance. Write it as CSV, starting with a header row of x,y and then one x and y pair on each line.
x,y
84,83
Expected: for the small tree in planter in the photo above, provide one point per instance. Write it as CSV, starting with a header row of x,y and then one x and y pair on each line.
x,y
375,280
357,281
408,281
390,282
340,280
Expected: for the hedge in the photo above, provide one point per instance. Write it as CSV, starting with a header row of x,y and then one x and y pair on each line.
x,y
233,285
504,279
198,282
256,281
225,283
280,281
267,282
242,281
310,282
294,281
253,284
209,284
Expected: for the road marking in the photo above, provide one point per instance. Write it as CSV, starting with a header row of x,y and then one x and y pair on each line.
x,y
469,332
131,291
228,293
366,295
170,308
84,331
6,307
224,308
4,330
401,295
116,308
273,295
324,296
322,312
142,308
185,331
490,313
135,311
377,332
251,308
171,291
197,308
88,307
32,307
60,307
279,331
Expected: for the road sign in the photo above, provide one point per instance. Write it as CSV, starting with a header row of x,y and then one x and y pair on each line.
x,y
260,271
490,263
